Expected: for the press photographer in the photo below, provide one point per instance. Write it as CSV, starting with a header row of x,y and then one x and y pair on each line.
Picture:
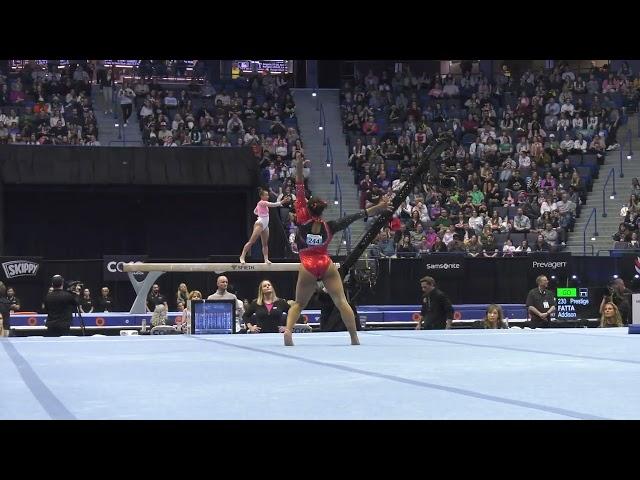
x,y
60,305
620,295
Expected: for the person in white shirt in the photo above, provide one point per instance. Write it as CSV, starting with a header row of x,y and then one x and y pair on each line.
x,y
146,109
552,107
578,123
223,97
251,136
53,121
580,145
451,89
476,221
447,238
523,247
177,120
567,143
567,107
126,96
170,100
508,249
476,149
524,162
423,211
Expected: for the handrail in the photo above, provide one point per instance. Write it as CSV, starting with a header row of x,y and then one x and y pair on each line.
x,y
337,199
612,174
315,94
330,159
595,230
592,249
622,145
322,124
346,233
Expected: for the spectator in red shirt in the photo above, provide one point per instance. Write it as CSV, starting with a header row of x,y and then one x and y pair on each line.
x,y
370,127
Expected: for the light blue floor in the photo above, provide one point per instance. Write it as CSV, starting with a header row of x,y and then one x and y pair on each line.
x,y
457,374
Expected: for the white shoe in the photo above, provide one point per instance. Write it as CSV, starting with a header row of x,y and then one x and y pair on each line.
x,y
125,124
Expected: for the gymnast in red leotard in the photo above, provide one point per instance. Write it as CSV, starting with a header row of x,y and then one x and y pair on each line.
x,y
312,239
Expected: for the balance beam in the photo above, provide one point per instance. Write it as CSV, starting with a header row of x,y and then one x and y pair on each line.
x,y
211,267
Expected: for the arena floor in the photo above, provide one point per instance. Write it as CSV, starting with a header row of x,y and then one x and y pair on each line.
x,y
457,374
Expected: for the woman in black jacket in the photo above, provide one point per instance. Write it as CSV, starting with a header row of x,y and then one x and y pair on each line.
x,y
266,314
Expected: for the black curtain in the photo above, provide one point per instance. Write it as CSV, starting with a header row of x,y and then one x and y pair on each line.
x,y
58,165
88,222
328,74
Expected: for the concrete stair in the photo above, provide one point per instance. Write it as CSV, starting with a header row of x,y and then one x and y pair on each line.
x,y
607,226
320,179
109,134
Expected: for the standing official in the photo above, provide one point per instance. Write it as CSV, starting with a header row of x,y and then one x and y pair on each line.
x,y
541,304
437,311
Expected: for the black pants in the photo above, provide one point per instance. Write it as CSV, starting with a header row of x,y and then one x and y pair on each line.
x,y
434,325
58,331
612,137
537,323
127,108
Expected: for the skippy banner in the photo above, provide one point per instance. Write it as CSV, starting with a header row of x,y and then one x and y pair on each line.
x,y
16,269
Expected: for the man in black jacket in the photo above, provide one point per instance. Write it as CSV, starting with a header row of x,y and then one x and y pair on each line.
x,y
5,310
437,311
60,305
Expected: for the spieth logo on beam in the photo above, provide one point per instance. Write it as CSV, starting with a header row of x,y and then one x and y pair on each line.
x,y
241,267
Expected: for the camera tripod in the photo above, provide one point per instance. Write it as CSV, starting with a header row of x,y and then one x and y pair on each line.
x,y
78,314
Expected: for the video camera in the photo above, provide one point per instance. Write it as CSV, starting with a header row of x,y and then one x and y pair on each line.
x,y
75,286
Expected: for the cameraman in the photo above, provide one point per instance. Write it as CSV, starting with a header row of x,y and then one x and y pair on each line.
x,y
60,305
5,311
620,295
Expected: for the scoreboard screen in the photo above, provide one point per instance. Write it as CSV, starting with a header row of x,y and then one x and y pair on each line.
x,y
213,316
261,66
578,303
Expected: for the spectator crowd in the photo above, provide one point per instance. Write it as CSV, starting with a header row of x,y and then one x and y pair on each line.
x,y
525,149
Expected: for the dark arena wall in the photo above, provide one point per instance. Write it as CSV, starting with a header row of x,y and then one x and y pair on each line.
x,y
88,222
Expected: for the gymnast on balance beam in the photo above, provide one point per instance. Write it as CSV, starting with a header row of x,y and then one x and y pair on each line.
x,y
261,226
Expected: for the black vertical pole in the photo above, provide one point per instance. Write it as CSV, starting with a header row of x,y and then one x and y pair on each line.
x,y
436,149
